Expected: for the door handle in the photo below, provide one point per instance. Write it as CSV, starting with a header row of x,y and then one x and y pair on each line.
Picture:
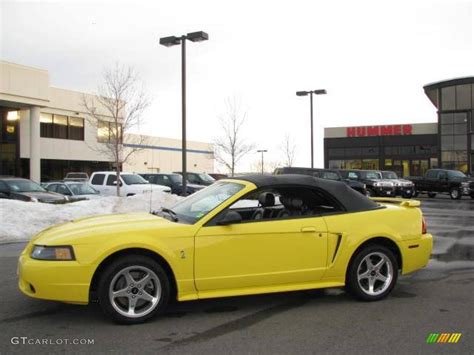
x,y
308,229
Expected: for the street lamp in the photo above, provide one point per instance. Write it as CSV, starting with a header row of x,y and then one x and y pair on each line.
x,y
262,151
173,41
310,93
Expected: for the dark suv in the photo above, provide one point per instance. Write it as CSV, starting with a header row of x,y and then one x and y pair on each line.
x,y
403,187
198,178
376,185
453,182
327,174
174,181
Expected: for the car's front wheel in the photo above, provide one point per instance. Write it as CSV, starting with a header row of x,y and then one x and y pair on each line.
x,y
372,273
133,289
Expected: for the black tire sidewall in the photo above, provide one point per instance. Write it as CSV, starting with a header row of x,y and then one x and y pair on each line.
x,y
116,266
431,194
351,278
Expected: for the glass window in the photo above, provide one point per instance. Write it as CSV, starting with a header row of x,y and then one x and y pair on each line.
x,y
132,179
460,142
448,98
46,125
447,118
407,150
352,152
60,126
463,97
103,135
447,143
336,152
76,128
111,179
370,151
98,179
23,185
460,117
447,129
336,164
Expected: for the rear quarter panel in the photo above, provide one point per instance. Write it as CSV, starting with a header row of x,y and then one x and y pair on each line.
x,y
399,224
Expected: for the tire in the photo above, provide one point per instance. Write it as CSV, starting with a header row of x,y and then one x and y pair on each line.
x,y
407,195
455,194
359,267
150,299
472,196
432,194
415,193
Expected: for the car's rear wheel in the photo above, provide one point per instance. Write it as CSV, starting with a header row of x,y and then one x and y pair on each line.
x,y
432,194
415,193
455,194
133,289
372,273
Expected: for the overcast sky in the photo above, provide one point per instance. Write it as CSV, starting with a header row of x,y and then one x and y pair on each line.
x,y
373,58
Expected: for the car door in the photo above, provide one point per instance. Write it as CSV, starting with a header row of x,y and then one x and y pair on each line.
x,y
97,182
260,253
443,182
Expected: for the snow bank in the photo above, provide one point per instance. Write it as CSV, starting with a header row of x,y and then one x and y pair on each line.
x,y
19,221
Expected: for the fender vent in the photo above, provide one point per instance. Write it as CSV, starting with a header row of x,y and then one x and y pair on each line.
x,y
339,238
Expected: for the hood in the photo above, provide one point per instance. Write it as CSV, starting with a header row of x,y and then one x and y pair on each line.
x,y
87,230
42,196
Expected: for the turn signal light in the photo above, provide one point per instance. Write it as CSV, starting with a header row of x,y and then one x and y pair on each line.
x,y
424,228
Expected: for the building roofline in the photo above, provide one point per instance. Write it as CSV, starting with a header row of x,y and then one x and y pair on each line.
x,y
449,82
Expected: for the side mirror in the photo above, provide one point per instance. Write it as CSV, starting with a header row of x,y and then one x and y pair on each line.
x,y
231,217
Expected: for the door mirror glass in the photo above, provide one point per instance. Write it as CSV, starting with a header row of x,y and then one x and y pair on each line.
x,y
231,217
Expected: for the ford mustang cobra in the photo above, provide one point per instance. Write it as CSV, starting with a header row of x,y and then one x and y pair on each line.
x,y
239,236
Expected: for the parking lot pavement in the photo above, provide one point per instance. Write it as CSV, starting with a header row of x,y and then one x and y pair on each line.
x,y
438,299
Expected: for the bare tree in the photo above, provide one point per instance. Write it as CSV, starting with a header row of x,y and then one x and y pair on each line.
x,y
231,147
288,147
115,110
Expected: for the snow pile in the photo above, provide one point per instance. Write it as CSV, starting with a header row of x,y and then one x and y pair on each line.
x,y
19,220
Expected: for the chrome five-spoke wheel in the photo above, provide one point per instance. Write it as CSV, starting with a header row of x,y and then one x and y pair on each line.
x,y
375,273
135,291
133,288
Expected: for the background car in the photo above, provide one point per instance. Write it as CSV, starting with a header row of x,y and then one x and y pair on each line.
x,y
375,184
76,191
327,174
26,190
403,187
84,177
453,182
198,178
174,181
130,184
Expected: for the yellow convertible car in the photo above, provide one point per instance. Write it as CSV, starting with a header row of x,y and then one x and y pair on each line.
x,y
240,236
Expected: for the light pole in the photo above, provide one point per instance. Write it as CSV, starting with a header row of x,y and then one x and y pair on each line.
x,y
310,93
262,151
173,41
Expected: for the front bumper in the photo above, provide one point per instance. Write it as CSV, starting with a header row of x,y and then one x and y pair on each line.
x,y
66,281
384,191
466,190
416,253
404,190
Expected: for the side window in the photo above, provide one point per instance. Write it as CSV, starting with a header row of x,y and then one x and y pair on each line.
x,y
352,175
192,178
431,174
111,179
98,179
62,189
442,175
3,187
53,188
285,202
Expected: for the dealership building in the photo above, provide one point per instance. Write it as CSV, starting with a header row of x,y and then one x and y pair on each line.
x,y
411,149
44,133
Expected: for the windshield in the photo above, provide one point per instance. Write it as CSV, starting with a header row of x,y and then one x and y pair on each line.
x,y
196,206
389,175
371,175
131,179
456,174
82,189
23,186
207,178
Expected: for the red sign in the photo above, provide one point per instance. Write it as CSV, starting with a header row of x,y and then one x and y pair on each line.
x,y
375,131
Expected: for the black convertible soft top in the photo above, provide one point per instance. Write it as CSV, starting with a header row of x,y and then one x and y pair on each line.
x,y
352,200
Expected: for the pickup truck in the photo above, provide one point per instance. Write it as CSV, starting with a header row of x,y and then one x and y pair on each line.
x,y
435,181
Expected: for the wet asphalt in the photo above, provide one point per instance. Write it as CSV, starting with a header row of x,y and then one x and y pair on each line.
x,y
438,299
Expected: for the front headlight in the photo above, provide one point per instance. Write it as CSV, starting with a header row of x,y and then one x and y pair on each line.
x,y
464,184
63,252
377,184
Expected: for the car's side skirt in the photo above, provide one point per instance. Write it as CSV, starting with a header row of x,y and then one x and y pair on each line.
x,y
262,290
